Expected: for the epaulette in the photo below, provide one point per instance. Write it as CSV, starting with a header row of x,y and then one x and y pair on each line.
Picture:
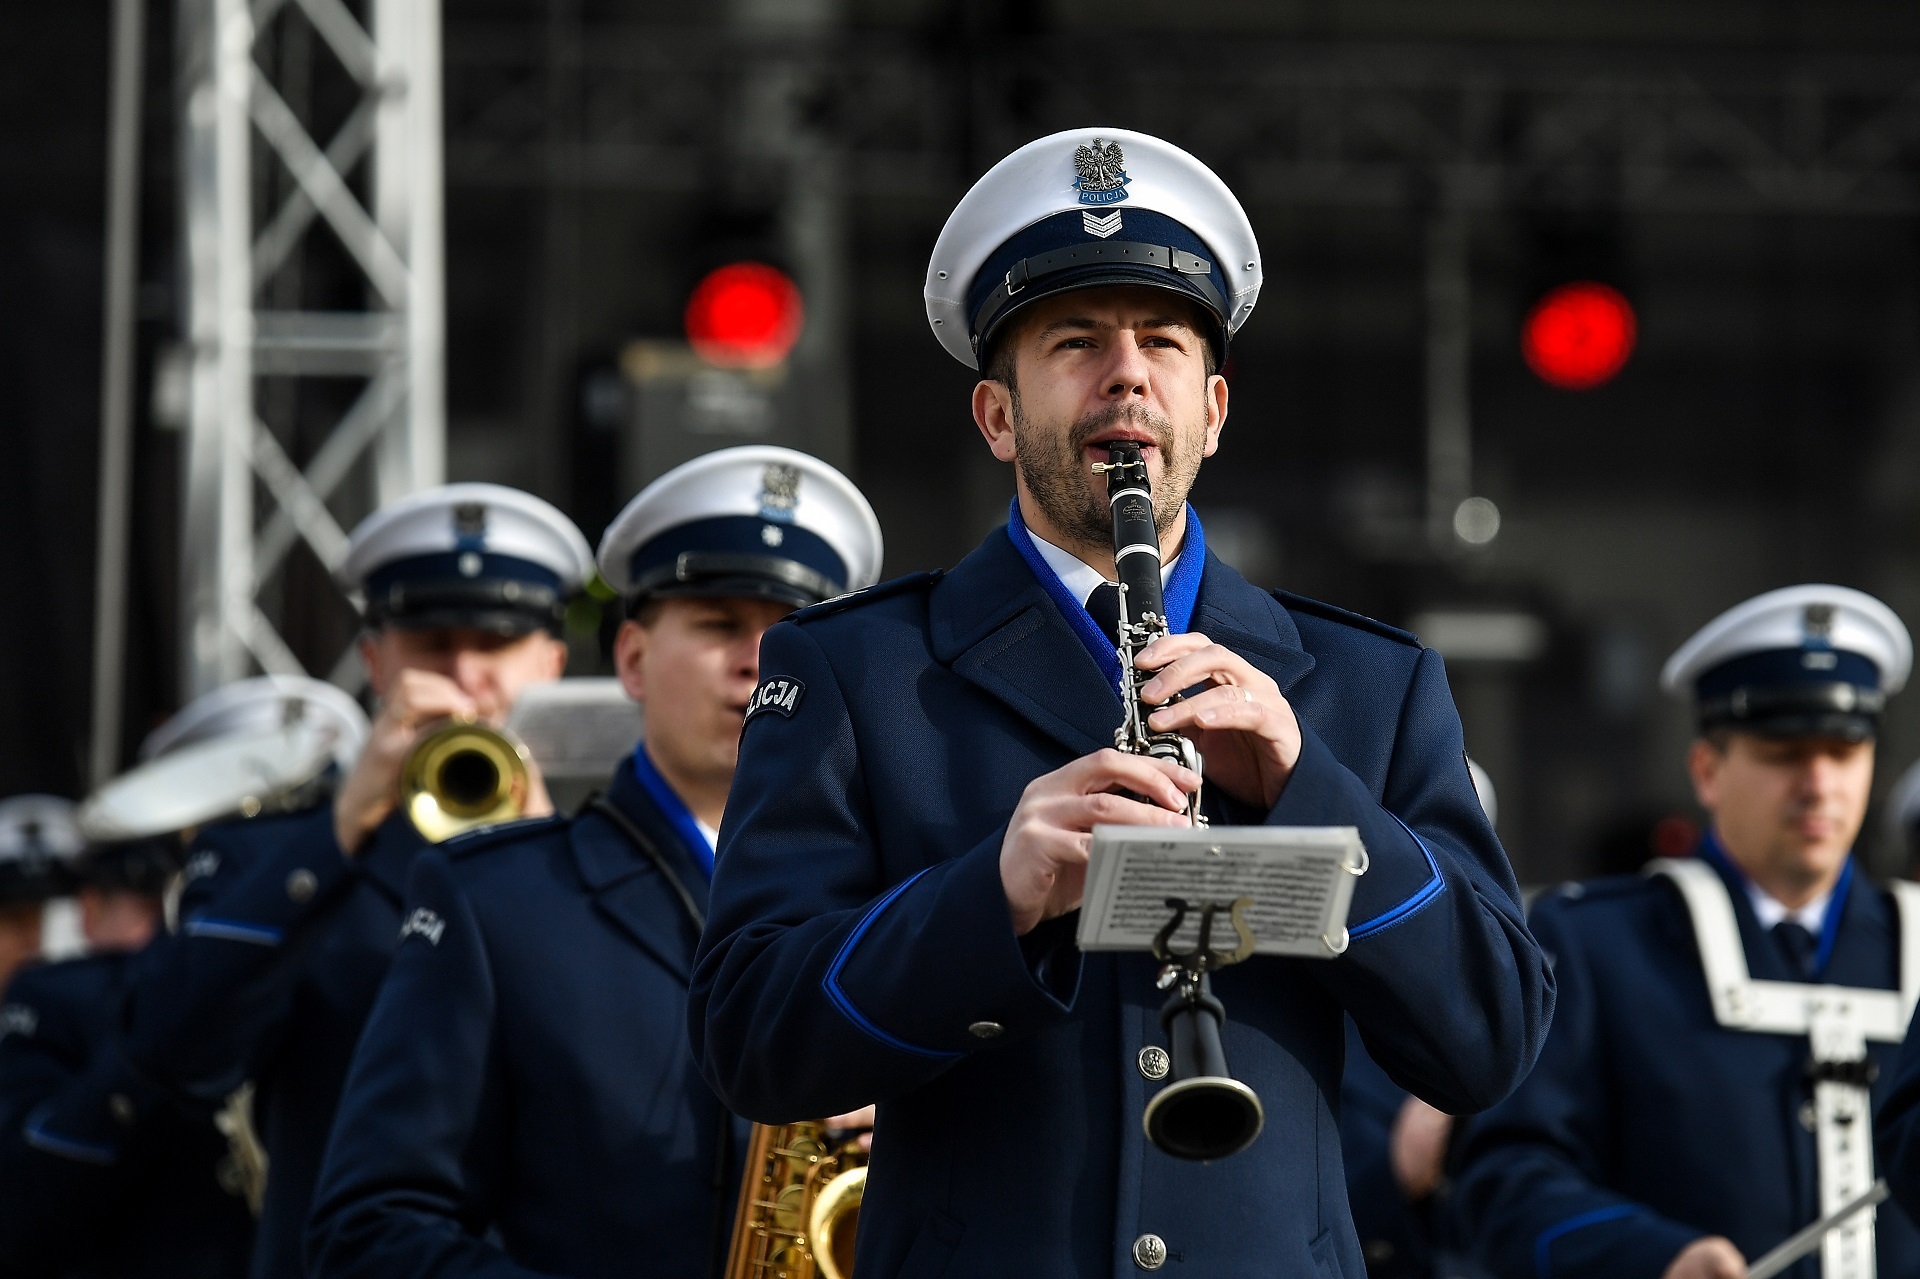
x,y
873,594
1605,888
482,838
1359,621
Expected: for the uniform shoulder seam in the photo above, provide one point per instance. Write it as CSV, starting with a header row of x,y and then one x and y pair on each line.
x,y
922,580
1345,617
487,838
1607,888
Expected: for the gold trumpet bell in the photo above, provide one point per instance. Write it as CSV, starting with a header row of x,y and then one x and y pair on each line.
x,y
464,775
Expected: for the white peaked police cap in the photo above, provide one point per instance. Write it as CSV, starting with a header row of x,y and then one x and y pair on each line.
x,y
757,521
1088,207
480,555
260,705
1802,660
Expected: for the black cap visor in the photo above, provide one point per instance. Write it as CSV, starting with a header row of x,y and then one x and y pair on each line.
x,y
701,575
1197,288
507,607
1845,711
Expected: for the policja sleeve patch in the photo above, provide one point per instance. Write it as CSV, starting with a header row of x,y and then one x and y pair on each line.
x,y
423,923
781,696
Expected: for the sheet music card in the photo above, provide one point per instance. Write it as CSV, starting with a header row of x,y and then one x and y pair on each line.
x,y
1300,880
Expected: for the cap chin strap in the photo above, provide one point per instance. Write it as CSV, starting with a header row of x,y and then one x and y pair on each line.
x,y
692,567
1837,1020
1745,704
1195,271
402,600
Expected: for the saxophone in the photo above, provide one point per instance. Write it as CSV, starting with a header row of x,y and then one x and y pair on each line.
x,y
799,1204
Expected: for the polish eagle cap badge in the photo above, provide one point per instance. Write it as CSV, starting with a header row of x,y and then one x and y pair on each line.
x,y
1102,170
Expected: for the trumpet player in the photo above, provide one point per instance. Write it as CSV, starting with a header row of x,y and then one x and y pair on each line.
x,y
287,923
894,910
524,1100
102,1172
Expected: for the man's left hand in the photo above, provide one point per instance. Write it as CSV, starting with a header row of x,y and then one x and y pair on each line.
x,y
1242,725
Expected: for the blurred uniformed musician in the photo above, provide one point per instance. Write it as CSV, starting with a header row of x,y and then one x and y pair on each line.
x,y
38,842
287,923
101,1172
1898,1126
524,1099
1704,1092
906,840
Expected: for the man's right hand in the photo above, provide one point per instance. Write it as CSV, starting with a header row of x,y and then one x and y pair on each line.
x,y
372,790
1043,860
1709,1258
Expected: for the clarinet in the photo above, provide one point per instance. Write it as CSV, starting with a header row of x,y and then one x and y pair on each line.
x,y
1203,1112
1143,609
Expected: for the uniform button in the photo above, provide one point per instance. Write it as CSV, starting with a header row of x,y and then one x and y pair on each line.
x,y
986,1030
1154,1062
1809,1116
1149,1252
301,885
121,1107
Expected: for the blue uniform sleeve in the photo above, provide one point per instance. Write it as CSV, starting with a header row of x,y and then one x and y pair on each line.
x,y
202,1019
805,939
1531,1192
1897,1127
70,1113
413,1167
1448,987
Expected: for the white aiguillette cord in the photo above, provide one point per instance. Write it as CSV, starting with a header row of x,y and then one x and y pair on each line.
x,y
1805,1241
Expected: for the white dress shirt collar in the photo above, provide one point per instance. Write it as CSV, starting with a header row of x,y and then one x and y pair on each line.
x,y
1073,572
1770,911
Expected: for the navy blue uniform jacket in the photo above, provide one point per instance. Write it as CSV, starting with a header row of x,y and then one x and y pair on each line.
x,y
1647,1124
1897,1128
859,929
524,1099
1395,1235
283,941
100,1174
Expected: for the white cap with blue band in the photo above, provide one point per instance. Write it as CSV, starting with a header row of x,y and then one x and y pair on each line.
x,y
757,521
1812,660
467,555
1084,208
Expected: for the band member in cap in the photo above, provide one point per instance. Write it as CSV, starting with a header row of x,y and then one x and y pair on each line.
x,y
906,841
287,924
38,842
524,1099
103,1173
1705,1090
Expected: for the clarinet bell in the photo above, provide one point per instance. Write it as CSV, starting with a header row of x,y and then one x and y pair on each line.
x,y
1203,1113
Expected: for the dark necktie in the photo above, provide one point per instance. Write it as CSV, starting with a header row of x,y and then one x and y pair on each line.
x,y
1103,605
1800,945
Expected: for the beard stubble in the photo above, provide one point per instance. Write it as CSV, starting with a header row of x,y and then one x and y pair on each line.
x,y
1054,470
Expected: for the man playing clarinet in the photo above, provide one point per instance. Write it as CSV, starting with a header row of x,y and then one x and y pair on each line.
x,y
894,905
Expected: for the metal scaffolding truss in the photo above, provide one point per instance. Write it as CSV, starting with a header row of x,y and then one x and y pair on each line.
x,y
238,247
1286,123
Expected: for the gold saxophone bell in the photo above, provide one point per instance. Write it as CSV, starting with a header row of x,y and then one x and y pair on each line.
x,y
464,775
799,1204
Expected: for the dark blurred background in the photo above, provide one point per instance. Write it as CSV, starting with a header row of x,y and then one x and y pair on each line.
x,y
1420,173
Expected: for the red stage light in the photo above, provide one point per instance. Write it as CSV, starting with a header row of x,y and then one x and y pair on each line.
x,y
744,315
1579,335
